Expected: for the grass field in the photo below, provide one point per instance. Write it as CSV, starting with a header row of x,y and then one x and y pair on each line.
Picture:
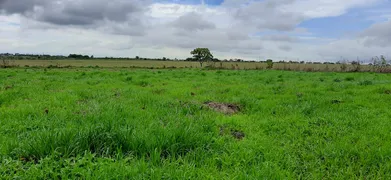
x,y
186,64
153,124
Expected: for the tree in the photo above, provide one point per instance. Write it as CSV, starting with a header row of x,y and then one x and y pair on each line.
x,y
269,63
189,59
75,56
202,55
5,63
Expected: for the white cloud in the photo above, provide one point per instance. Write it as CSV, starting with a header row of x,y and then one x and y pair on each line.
x,y
325,8
231,30
378,34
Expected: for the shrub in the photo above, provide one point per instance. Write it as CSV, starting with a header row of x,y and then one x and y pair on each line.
x,y
356,66
343,66
6,64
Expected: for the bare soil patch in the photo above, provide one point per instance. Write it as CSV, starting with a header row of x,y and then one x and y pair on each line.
x,y
225,108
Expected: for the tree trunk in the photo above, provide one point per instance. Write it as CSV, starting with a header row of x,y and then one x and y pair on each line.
x,y
201,63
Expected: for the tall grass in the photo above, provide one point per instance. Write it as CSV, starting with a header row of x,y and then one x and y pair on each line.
x,y
108,140
354,66
101,124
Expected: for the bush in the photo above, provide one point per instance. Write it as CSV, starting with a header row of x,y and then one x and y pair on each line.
x,y
343,67
5,63
356,66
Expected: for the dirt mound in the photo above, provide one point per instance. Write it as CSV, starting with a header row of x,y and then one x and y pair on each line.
x,y
223,107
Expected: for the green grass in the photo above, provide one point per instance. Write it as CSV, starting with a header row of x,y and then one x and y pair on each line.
x,y
152,124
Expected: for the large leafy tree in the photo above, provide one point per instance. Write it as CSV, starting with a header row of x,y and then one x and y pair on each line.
x,y
202,55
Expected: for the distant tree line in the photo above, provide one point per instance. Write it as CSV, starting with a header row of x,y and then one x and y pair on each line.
x,y
201,55
194,59
79,56
20,56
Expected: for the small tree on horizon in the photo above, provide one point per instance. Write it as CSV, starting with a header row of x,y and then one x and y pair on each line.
x,y
269,63
202,55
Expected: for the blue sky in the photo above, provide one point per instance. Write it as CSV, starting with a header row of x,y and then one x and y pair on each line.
x,y
347,24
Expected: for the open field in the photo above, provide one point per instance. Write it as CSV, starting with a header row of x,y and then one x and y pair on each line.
x,y
154,124
186,64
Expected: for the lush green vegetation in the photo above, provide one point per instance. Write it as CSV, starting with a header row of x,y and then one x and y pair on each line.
x,y
153,124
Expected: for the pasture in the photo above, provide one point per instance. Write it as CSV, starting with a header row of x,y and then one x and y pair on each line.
x,y
158,64
107,123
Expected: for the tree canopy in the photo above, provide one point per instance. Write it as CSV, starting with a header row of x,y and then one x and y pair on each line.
x,y
202,55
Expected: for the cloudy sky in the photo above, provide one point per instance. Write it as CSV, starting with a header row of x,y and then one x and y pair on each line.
x,y
309,30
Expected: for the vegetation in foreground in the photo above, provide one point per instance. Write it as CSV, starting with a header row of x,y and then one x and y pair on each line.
x,y
166,124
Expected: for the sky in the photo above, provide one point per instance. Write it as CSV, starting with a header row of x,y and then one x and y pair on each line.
x,y
303,30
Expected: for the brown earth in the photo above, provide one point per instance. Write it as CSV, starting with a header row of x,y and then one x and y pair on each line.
x,y
225,108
